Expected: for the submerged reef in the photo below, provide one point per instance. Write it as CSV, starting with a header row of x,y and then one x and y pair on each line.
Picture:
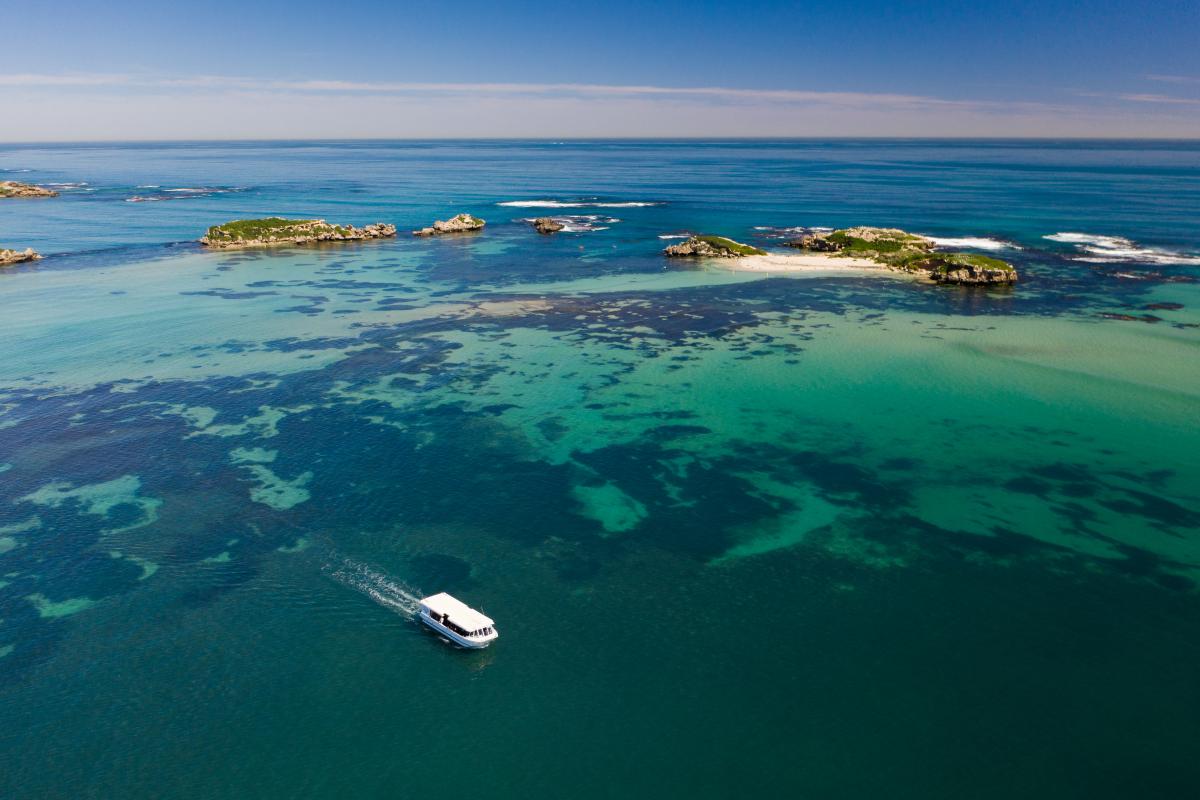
x,y
9,257
18,189
278,231
909,252
712,247
461,223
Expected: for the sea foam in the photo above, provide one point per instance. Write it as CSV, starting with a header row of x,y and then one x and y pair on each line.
x,y
972,242
572,204
582,223
1099,249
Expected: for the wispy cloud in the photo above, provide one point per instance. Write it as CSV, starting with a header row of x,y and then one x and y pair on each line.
x,y
1165,99
713,93
1174,79
163,106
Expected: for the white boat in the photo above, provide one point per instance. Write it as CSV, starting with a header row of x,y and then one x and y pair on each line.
x,y
457,621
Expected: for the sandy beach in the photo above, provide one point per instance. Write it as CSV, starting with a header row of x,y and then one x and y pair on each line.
x,y
805,262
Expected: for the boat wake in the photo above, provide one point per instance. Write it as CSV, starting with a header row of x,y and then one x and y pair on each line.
x,y
380,587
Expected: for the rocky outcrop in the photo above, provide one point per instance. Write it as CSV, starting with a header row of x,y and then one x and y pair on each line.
x,y
712,247
17,189
973,274
276,231
910,252
546,225
10,257
462,223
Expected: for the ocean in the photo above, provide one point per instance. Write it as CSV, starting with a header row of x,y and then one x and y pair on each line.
x,y
743,535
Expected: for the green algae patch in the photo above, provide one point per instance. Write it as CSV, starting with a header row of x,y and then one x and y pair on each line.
x,y
49,609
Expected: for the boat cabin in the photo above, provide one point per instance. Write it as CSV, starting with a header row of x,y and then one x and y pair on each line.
x,y
457,621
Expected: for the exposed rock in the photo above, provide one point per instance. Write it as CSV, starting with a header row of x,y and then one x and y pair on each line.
x,y
9,257
17,189
546,225
712,247
973,275
275,231
910,252
462,223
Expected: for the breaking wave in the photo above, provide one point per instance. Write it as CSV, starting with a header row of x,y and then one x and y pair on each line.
x,y
1097,249
588,203
582,223
972,242
182,194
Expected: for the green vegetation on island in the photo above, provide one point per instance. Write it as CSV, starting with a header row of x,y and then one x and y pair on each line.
x,y
705,246
280,231
909,252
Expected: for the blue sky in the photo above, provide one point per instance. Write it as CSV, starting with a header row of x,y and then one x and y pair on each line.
x,y
135,69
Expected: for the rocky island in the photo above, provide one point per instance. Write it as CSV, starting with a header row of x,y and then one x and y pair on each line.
x,y
546,225
908,252
461,223
10,257
17,189
712,247
275,231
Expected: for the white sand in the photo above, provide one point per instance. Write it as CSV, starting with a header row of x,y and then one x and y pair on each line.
x,y
805,262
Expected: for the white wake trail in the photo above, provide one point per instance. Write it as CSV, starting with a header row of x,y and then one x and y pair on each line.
x,y
380,587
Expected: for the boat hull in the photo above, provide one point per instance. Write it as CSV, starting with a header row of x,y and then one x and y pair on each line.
x,y
458,639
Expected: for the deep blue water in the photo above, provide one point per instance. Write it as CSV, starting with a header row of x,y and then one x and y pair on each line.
x,y
808,535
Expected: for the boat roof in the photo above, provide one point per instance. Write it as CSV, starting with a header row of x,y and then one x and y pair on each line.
x,y
459,612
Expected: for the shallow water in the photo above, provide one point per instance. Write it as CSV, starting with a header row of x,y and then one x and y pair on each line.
x,y
742,534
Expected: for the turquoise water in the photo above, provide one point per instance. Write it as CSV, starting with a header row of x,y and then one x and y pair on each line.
x,y
742,534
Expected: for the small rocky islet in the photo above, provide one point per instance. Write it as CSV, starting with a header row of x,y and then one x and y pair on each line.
x,y
10,257
909,252
18,189
546,225
460,223
277,231
890,248
705,246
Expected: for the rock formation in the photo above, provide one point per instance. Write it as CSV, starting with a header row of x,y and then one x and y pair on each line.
x,y
9,257
712,247
462,223
546,225
910,252
17,189
277,231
